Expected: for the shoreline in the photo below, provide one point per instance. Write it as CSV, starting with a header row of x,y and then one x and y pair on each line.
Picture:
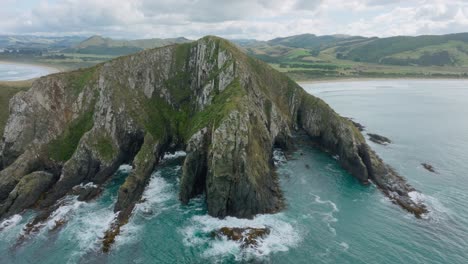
x,y
51,68
363,79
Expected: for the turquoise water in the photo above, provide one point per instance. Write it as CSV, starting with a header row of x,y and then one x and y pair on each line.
x,y
17,72
330,217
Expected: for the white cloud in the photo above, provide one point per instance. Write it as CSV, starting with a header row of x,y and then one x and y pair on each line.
x,y
262,19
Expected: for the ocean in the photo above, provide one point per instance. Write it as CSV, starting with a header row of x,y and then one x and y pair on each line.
x,y
18,71
330,217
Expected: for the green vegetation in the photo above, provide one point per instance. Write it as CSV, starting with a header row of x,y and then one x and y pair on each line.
x,y
178,84
7,91
63,147
222,104
159,117
380,48
105,147
306,57
79,78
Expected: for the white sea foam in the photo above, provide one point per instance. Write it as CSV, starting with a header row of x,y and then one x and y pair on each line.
x,y
154,201
88,229
88,185
86,224
417,197
437,210
174,155
320,201
327,217
155,195
344,245
10,222
69,205
282,236
125,168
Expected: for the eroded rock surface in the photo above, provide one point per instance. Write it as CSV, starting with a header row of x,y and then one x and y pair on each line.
x,y
378,139
246,236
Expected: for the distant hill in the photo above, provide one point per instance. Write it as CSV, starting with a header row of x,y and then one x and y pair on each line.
x,y
421,50
436,50
38,42
107,46
311,41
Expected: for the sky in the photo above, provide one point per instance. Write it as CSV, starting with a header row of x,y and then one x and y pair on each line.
x,y
239,19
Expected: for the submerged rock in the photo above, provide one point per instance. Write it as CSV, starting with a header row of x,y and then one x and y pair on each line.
x,y
428,167
247,236
58,224
379,139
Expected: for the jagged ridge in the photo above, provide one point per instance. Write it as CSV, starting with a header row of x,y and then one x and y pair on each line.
x,y
226,109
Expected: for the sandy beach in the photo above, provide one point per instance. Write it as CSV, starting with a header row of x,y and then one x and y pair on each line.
x,y
338,80
50,68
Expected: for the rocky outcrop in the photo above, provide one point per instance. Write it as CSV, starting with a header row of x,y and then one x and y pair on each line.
x,y
428,167
246,236
378,139
357,125
27,191
226,109
195,166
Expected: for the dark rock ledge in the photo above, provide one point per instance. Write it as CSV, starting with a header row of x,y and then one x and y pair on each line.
x,y
246,236
378,139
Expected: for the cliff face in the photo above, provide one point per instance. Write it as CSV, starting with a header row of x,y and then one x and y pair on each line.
x,y
227,110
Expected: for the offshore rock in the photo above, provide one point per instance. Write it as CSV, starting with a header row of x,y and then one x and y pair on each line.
x,y
428,167
247,236
378,139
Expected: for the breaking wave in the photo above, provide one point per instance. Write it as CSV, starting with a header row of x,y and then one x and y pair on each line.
x,y
282,236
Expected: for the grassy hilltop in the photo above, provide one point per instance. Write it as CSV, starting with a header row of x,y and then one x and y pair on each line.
x,y
307,56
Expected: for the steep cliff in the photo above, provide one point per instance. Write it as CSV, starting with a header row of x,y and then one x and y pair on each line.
x,y
226,109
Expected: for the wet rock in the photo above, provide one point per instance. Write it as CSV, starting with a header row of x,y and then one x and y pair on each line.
x,y
357,125
34,226
195,166
247,236
58,224
87,192
428,167
109,237
27,192
378,139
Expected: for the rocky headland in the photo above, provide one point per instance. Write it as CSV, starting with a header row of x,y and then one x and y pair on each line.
x,y
226,110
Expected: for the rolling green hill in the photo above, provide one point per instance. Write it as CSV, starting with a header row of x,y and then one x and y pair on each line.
x,y
309,56
106,46
38,42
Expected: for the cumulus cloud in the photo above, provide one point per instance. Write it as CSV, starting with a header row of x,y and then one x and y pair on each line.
x,y
261,19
